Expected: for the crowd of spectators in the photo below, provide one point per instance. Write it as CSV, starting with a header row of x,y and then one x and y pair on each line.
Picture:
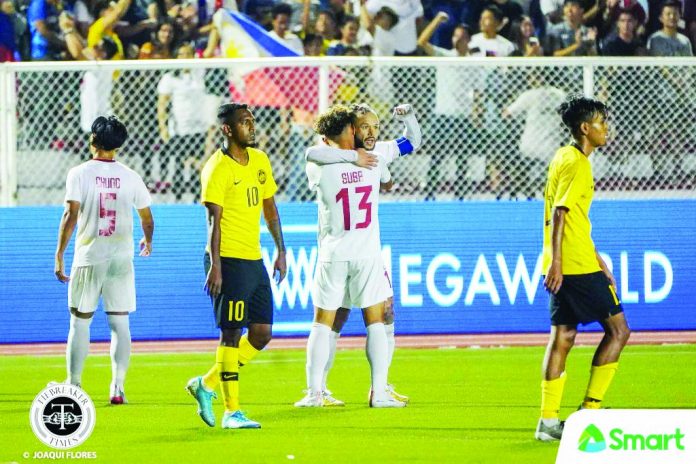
x,y
146,29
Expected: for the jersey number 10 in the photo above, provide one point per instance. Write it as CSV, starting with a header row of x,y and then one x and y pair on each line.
x,y
343,197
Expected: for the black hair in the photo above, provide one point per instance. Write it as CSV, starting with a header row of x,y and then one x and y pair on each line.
x,y
108,133
109,46
281,9
464,26
328,13
99,6
309,38
385,10
671,3
578,109
332,122
226,111
495,11
349,19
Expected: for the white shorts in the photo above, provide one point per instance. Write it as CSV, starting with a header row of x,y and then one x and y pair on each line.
x,y
386,281
359,283
113,280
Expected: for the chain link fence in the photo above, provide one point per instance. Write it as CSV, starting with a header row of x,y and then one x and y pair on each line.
x,y
489,125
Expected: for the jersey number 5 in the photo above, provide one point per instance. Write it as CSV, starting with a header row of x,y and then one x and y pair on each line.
x,y
107,217
364,204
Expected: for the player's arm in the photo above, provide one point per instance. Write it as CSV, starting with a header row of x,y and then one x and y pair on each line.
x,y
324,154
605,269
412,138
272,218
213,41
65,231
386,182
213,282
147,223
554,276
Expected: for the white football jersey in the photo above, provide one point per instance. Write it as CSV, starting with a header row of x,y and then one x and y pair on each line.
x,y
107,192
348,202
389,150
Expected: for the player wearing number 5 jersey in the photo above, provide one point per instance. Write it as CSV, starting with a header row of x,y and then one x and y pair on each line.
x,y
237,185
349,265
101,194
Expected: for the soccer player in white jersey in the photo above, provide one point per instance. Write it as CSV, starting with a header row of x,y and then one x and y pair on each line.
x,y
350,263
367,133
100,197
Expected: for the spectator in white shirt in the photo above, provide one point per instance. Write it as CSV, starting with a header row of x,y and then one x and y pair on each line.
x,y
405,32
281,23
488,42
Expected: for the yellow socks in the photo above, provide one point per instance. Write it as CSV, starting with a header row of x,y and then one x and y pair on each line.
x,y
246,351
551,394
211,380
600,379
228,365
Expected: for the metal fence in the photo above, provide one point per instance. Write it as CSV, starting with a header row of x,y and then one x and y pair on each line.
x,y
489,124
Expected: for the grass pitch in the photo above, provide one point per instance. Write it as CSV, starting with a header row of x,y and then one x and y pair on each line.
x,y
467,406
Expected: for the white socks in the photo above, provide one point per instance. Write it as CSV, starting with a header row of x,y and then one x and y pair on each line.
x,y
391,342
120,348
333,341
317,355
377,356
78,347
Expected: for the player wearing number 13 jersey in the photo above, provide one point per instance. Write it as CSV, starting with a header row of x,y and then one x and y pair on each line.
x,y
350,262
101,194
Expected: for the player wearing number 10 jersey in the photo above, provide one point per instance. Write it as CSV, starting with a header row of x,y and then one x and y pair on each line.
x,y
100,197
350,265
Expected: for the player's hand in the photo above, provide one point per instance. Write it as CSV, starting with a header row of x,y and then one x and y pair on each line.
x,y
58,270
145,247
213,283
366,159
554,278
591,34
280,268
401,111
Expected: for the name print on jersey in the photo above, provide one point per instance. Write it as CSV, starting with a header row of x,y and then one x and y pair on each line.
x,y
351,177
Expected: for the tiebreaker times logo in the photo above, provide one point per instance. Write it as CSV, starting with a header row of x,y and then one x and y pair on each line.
x,y
62,416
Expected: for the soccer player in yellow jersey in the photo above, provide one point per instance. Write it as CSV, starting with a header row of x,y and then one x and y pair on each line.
x,y
581,286
237,185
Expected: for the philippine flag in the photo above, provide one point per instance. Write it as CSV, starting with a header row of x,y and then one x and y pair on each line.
x,y
278,87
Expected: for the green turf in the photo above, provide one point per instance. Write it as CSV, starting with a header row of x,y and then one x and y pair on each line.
x,y
467,406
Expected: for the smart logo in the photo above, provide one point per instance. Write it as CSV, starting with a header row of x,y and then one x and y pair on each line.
x,y
592,440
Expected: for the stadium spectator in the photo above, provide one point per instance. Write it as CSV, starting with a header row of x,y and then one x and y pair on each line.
x,y
540,138
488,42
102,265
97,84
380,27
8,47
235,274
454,10
571,37
281,23
553,10
690,20
624,42
351,39
82,9
163,42
526,43
668,41
405,32
511,12
185,114
46,43
613,8
15,31
108,14
458,108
